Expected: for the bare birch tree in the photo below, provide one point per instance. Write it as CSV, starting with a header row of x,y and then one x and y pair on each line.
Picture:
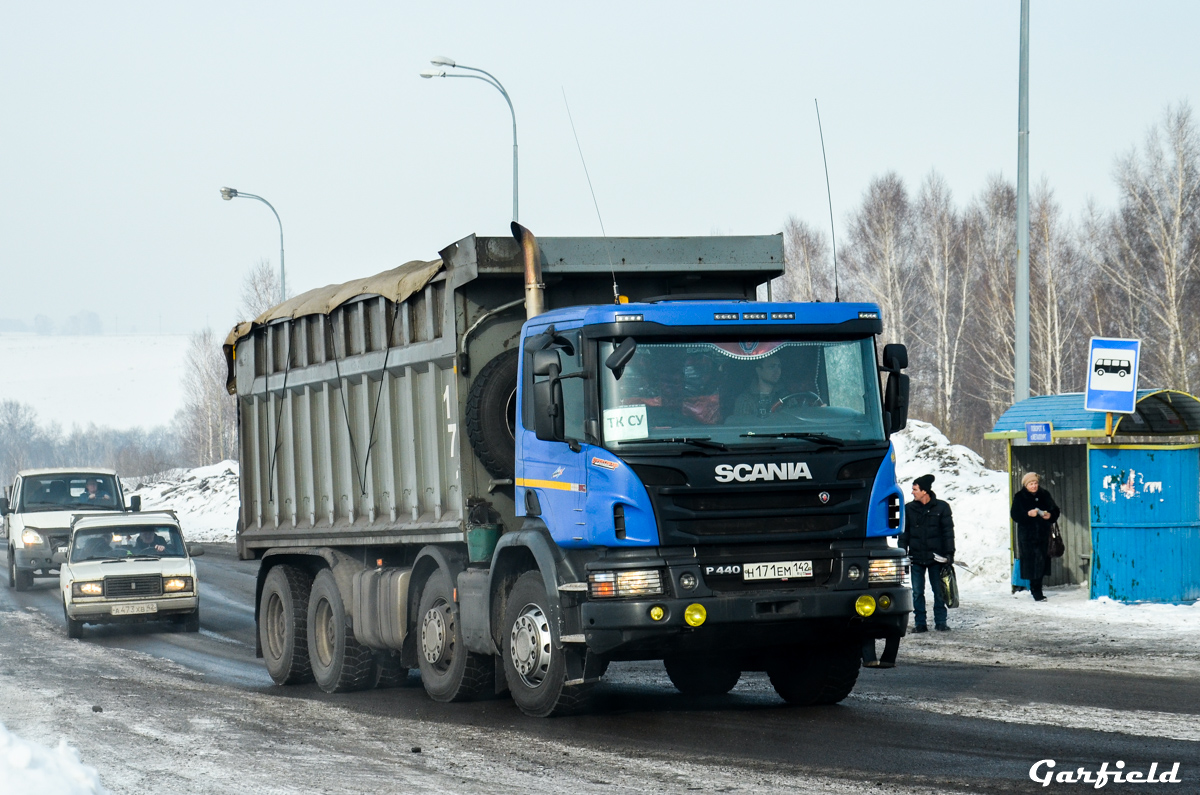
x,y
207,424
260,290
1058,300
806,275
878,254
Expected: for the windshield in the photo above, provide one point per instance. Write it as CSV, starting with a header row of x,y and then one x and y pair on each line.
x,y
68,492
725,394
141,541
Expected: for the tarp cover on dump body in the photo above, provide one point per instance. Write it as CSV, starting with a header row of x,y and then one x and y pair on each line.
x,y
395,285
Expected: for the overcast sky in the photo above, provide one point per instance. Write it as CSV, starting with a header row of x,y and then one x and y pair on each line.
x,y
120,121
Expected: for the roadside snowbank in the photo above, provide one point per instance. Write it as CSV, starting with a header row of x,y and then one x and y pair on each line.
x,y
29,767
206,500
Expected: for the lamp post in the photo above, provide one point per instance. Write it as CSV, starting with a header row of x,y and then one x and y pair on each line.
x,y
229,194
491,80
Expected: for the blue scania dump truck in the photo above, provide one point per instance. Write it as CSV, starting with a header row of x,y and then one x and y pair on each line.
x,y
527,459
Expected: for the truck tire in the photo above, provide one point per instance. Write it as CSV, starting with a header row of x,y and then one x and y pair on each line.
x,y
339,662
536,671
823,676
283,625
74,627
492,414
448,671
389,671
699,675
18,579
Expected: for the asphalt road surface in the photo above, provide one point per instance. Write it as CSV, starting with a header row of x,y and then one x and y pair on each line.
x,y
153,708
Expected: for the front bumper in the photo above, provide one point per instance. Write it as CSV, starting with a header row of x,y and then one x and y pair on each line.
x,y
100,610
746,621
35,559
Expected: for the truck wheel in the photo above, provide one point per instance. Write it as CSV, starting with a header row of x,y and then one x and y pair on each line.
x,y
389,671
702,676
448,671
283,625
74,628
492,414
824,676
18,579
339,662
536,671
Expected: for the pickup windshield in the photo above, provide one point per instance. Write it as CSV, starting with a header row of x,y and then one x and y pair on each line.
x,y
742,393
68,492
140,541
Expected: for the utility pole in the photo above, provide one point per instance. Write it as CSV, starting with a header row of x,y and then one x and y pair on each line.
x,y
1021,329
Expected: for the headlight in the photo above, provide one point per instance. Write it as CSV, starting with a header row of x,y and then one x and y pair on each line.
x,y
607,584
32,538
177,584
87,589
886,571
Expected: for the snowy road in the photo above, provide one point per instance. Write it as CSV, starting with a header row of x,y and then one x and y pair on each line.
x,y
971,710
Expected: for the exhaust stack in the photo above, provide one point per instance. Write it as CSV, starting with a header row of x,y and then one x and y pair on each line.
x,y
534,288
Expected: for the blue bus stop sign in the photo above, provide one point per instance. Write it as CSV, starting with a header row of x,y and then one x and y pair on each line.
x,y
1112,375
1039,432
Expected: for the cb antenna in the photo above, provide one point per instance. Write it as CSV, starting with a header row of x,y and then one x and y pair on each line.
x,y
829,195
616,292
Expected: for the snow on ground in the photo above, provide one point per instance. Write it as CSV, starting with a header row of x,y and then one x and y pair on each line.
x,y
995,625
119,381
29,767
205,499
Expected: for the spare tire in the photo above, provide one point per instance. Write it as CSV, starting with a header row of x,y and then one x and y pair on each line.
x,y
492,415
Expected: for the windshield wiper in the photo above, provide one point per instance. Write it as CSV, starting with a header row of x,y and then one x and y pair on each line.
x,y
820,438
110,560
698,441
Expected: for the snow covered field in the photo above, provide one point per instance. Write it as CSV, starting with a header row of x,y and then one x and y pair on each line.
x,y
132,380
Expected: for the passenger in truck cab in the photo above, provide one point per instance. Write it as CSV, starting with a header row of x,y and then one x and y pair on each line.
x,y
701,389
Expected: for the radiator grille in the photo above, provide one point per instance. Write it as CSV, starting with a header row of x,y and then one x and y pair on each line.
x,y
117,587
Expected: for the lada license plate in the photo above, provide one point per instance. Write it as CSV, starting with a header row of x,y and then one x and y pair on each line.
x,y
780,570
134,610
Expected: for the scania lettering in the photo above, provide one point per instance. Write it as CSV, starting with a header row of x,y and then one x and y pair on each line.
x,y
483,467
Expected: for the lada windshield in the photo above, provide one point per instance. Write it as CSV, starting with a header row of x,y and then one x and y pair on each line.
x,y
727,394
137,541
68,492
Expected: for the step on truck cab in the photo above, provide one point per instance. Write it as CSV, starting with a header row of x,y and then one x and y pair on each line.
x,y
487,468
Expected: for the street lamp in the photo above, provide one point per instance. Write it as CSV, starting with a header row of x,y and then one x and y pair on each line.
x,y
232,193
491,80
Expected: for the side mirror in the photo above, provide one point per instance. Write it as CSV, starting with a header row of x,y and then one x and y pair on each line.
x,y
548,421
895,356
547,363
3,506
135,503
620,357
59,557
195,550
895,401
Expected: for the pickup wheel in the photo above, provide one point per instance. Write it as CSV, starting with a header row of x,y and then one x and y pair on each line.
x,y
702,675
339,662
536,671
74,627
448,671
283,625
818,676
492,414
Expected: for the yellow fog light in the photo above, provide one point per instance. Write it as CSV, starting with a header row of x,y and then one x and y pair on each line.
x,y
864,605
657,613
694,615
885,602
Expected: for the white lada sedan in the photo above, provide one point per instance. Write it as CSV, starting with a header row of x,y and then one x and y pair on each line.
x,y
129,568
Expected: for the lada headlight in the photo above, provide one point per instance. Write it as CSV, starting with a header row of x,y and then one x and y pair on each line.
x,y
640,582
87,589
176,584
32,538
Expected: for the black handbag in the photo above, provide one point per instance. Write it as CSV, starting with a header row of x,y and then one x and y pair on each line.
x,y
1056,547
949,585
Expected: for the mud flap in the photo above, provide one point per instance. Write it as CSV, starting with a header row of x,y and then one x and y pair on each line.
x,y
891,647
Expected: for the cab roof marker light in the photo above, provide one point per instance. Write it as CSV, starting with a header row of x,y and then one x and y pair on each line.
x,y
630,318
754,316
783,315
726,316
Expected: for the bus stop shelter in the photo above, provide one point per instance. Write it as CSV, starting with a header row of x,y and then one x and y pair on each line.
x,y
1128,486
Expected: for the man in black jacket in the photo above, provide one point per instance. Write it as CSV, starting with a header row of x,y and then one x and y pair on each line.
x,y
929,538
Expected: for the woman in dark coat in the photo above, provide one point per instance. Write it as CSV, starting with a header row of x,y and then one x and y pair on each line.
x,y
1034,510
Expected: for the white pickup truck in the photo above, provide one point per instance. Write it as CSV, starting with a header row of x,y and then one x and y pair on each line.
x,y
37,512
129,568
